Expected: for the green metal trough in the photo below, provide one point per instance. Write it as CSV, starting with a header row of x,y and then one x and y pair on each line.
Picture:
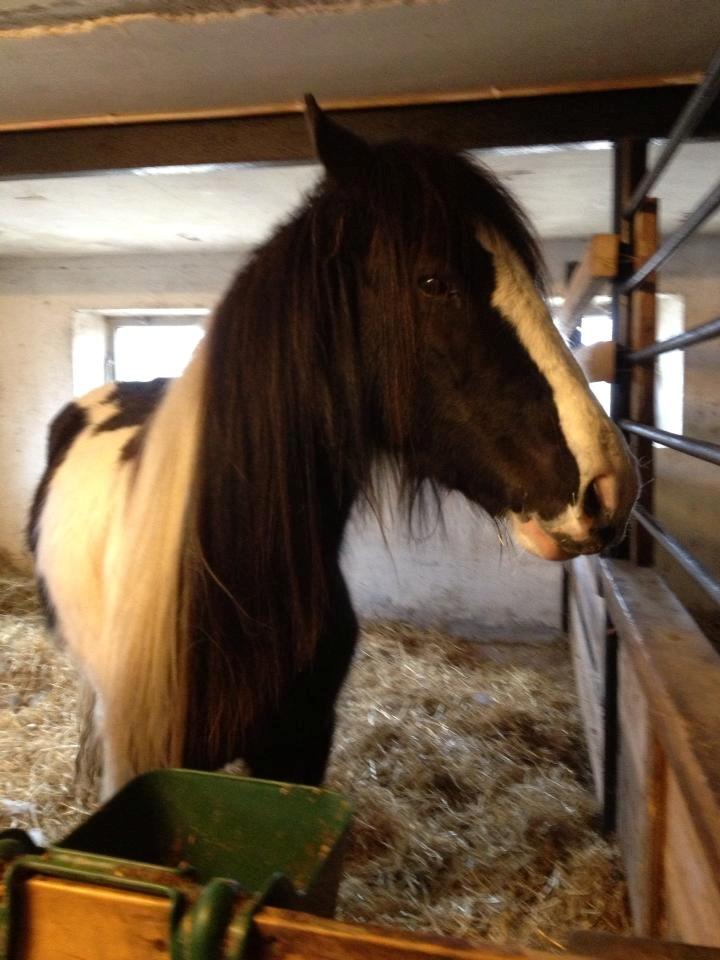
x,y
217,847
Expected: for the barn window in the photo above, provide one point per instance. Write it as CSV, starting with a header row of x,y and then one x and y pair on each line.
x,y
133,344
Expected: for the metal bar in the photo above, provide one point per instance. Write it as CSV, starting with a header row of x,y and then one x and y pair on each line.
x,y
695,109
687,561
700,214
706,331
700,449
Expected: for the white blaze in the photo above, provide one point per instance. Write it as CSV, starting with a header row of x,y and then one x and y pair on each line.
x,y
592,438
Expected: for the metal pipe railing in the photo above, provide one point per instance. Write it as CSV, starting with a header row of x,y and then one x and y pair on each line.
x,y
700,449
699,334
695,109
705,209
692,566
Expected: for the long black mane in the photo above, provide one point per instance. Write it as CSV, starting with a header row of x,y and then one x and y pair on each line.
x,y
301,397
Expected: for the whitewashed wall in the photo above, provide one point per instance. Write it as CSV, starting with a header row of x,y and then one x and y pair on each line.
x,y
38,298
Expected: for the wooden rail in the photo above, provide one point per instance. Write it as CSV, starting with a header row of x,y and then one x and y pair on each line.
x,y
598,266
667,754
67,920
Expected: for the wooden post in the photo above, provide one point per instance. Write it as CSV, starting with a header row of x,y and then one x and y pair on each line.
x,y
642,333
630,165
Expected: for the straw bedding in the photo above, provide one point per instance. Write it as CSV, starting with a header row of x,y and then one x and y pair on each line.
x,y
465,762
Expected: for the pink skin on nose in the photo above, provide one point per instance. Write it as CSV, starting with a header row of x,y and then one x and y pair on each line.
x,y
543,545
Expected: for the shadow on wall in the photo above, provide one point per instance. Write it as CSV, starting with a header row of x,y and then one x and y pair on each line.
x,y
460,579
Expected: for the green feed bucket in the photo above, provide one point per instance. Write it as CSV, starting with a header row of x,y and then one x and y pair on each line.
x,y
215,825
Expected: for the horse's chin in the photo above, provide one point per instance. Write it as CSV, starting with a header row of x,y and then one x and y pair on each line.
x,y
530,535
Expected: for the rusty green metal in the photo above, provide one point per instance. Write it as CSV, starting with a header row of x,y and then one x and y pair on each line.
x,y
217,847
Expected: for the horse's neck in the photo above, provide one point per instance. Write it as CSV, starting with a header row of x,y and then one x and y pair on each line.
x,y
337,500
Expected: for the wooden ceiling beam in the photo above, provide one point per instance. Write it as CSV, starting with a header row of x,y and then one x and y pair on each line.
x,y
282,138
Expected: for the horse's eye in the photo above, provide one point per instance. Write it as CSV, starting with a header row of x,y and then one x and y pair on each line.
x,y
434,287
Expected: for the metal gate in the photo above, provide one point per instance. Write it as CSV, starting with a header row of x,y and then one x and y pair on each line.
x,y
648,678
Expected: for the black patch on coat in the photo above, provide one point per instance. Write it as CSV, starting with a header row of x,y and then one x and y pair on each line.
x,y
136,401
132,449
63,431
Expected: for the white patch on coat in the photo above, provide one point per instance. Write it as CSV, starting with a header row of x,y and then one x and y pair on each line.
x,y
592,438
109,549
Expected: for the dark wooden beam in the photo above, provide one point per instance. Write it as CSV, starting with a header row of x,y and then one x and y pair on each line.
x,y
281,138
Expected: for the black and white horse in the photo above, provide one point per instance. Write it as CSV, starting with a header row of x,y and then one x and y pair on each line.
x,y
187,534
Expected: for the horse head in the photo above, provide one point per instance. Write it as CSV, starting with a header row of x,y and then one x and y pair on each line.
x,y
472,386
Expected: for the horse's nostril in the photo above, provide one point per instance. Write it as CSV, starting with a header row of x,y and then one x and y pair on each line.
x,y
592,505
606,535
601,497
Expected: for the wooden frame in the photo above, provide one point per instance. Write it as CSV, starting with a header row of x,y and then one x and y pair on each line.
x,y
282,138
667,750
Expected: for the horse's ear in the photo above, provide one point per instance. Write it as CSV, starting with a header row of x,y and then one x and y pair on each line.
x,y
341,152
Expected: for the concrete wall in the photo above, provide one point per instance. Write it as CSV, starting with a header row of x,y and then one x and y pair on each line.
x,y
464,580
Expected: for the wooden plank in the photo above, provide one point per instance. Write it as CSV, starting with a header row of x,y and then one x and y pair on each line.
x,y
296,936
64,920
281,138
640,801
598,266
590,698
692,890
679,673
594,659
585,586
633,712
643,332
67,920
610,947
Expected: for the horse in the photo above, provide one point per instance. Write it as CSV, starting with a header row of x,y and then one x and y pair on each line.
x,y
187,534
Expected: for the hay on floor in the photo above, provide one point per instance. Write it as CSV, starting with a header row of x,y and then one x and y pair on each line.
x,y
474,814
38,723
465,762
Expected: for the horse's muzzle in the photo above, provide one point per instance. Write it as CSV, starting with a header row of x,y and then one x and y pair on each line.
x,y
595,522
